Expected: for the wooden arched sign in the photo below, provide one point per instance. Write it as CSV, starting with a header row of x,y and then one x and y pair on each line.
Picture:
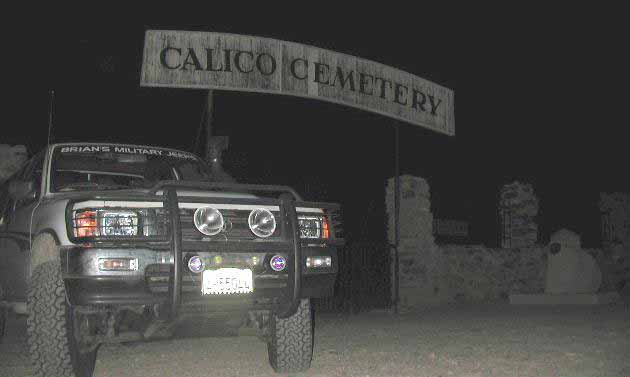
x,y
202,60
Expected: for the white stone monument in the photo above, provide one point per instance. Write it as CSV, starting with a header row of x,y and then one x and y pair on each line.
x,y
569,268
572,276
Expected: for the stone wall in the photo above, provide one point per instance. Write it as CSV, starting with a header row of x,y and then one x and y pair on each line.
x,y
432,274
615,265
475,273
456,273
438,274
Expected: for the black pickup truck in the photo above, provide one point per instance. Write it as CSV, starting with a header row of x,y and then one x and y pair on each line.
x,y
110,243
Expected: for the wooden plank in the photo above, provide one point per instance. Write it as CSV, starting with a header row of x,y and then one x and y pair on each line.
x,y
201,60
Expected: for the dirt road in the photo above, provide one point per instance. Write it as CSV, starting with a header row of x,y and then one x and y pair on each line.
x,y
489,340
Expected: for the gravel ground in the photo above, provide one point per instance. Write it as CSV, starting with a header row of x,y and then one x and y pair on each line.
x,y
489,340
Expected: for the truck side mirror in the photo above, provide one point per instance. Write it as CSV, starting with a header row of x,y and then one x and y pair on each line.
x,y
21,190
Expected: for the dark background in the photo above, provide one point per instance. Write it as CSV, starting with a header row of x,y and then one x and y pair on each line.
x,y
540,97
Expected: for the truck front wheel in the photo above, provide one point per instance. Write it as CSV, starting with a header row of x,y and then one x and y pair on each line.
x,y
51,324
290,346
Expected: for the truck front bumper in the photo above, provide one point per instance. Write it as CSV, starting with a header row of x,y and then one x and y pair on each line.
x,y
87,284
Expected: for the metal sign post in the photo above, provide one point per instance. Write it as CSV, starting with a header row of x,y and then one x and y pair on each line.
x,y
215,145
208,121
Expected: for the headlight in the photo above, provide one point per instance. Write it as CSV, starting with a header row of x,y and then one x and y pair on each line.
x,y
208,220
115,223
97,223
313,226
262,222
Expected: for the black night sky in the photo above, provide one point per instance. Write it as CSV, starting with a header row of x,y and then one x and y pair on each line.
x,y
539,96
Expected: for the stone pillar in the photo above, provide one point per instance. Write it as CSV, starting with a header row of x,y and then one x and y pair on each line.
x,y
615,210
416,219
615,216
417,252
518,209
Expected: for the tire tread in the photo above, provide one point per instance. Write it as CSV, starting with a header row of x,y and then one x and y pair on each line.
x,y
291,345
49,332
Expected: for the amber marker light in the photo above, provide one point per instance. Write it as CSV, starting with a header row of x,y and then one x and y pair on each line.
x,y
85,224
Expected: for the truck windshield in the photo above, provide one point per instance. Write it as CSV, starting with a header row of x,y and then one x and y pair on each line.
x,y
103,167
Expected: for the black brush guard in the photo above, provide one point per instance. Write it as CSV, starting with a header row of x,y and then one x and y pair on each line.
x,y
287,201
288,218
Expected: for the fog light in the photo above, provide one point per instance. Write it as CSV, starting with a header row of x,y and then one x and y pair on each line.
x,y
209,220
195,264
262,222
278,262
318,262
118,264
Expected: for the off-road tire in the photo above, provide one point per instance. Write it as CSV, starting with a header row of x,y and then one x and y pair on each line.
x,y
290,346
52,344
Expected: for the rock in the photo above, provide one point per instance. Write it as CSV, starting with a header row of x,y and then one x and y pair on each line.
x,y
11,159
569,268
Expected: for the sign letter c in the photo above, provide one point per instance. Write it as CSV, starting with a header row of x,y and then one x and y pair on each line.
x,y
163,56
304,63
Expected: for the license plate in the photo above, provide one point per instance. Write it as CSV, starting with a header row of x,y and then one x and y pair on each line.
x,y
225,281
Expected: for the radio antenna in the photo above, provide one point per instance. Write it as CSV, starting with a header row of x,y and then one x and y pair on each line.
x,y
51,110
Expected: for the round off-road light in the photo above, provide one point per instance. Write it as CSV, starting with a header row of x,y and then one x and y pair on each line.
x,y
278,262
262,222
195,264
208,220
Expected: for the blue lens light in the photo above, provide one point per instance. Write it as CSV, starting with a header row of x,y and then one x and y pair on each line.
x,y
278,262
195,264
